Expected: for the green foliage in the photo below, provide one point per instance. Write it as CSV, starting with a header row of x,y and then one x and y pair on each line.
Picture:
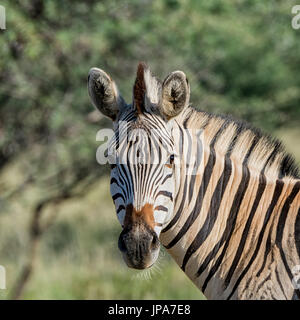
x,y
241,58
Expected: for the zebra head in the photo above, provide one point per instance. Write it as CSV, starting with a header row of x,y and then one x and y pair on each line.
x,y
144,169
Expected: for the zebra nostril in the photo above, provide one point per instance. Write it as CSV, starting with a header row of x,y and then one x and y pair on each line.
x,y
121,243
155,242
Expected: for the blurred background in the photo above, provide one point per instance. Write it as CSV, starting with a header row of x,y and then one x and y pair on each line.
x,y
58,228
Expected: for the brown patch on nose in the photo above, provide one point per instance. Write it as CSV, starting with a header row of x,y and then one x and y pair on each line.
x,y
142,217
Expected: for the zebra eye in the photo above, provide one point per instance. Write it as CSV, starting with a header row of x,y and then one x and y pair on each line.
x,y
171,158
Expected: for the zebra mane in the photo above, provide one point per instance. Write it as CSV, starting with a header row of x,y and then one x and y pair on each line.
x,y
146,89
268,155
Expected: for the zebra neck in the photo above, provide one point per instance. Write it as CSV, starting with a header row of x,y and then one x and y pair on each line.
x,y
224,202
218,229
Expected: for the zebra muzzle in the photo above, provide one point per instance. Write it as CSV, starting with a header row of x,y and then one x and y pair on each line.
x,y
139,249
138,242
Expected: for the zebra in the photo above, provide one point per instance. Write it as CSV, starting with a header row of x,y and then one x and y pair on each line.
x,y
221,196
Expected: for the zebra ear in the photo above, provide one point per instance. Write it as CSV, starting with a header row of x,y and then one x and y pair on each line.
x,y
104,93
175,94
